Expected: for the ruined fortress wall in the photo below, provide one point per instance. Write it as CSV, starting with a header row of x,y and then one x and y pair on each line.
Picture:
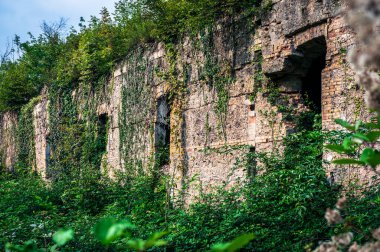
x,y
131,108
301,22
306,25
213,139
41,134
8,149
224,110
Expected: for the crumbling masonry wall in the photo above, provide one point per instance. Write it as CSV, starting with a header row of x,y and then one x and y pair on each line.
x,y
41,133
8,150
292,24
219,104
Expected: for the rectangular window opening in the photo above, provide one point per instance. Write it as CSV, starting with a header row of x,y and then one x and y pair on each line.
x,y
162,131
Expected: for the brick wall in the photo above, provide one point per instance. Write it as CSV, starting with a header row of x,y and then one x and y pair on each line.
x,y
205,145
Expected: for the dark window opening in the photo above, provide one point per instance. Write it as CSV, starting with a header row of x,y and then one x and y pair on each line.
x,y
101,138
102,132
252,162
49,172
312,84
102,123
252,107
162,131
312,65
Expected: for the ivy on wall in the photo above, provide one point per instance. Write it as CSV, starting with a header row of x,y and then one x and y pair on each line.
x,y
218,76
137,111
26,135
76,68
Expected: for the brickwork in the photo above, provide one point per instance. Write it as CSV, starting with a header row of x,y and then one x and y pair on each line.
x,y
204,144
341,96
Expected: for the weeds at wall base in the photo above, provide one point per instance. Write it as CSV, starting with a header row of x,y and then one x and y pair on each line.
x,y
293,189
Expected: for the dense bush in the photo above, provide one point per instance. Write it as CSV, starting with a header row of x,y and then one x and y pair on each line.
x,y
284,207
16,88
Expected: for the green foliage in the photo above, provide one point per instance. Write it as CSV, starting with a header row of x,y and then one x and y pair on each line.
x,y
234,245
362,215
359,145
283,207
23,78
169,20
108,230
61,237
29,246
15,88
154,241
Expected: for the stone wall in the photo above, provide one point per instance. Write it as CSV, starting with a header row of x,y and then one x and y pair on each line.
x,y
284,32
41,133
8,147
130,103
212,139
205,142
288,28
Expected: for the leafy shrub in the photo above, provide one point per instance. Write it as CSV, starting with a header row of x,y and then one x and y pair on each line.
x,y
283,207
360,144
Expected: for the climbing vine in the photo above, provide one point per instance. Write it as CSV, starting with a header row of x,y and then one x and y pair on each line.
x,y
137,111
258,77
351,103
218,76
26,135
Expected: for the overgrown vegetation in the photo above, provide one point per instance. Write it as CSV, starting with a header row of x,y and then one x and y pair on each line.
x,y
284,207
82,61
360,144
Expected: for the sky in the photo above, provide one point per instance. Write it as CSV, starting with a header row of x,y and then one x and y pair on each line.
x,y
23,16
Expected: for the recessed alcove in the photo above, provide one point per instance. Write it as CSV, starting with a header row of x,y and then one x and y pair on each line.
x,y
315,62
162,130
308,61
49,172
102,128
